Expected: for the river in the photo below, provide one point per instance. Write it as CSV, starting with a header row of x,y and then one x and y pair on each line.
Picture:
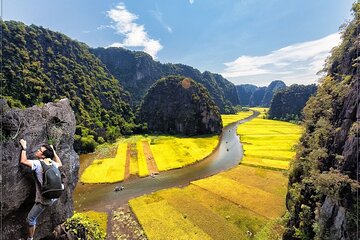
x,y
102,197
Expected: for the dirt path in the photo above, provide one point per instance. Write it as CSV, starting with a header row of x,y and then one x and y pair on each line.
x,y
150,161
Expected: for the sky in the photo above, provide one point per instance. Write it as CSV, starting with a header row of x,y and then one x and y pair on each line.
x,y
246,41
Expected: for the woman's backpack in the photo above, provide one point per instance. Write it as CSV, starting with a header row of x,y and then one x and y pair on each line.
x,y
52,186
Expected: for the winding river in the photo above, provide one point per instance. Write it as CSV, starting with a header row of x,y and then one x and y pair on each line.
x,y
102,197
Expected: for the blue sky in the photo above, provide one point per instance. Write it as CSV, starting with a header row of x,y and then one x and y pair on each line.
x,y
247,41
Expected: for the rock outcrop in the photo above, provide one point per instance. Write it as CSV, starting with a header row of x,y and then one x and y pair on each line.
x,y
322,197
53,122
176,104
251,95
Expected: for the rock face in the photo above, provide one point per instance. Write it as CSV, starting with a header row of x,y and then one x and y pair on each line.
x,y
323,190
177,104
251,95
54,122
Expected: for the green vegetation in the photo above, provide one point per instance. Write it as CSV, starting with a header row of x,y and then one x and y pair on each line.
x,y
87,225
138,71
179,105
287,104
324,171
41,66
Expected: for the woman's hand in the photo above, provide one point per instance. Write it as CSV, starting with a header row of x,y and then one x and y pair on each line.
x,y
23,144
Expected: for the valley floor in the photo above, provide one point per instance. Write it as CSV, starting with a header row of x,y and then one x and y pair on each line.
x,y
242,203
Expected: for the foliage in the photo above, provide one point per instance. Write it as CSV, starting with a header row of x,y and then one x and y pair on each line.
x,y
287,104
88,225
41,66
324,167
137,71
171,107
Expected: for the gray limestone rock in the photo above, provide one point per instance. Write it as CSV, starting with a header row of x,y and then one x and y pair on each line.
x,y
54,122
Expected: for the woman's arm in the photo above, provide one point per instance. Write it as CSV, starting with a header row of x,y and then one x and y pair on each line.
x,y
23,158
56,157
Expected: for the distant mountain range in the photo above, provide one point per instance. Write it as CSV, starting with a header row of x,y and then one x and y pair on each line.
x,y
137,71
251,95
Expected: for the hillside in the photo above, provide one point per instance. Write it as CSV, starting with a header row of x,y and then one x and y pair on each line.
x,y
40,66
324,181
287,104
137,71
252,96
176,104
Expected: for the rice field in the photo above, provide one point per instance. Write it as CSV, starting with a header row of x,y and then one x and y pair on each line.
x,y
230,118
268,143
242,203
229,205
106,170
167,152
163,153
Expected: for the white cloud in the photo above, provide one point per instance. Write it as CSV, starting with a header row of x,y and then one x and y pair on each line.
x,y
191,1
296,63
135,35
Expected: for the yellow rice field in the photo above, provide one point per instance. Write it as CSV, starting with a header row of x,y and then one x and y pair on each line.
x,y
230,118
268,143
224,206
247,198
175,152
161,221
169,152
107,170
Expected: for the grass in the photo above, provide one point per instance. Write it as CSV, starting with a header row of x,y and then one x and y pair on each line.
x,y
230,118
107,170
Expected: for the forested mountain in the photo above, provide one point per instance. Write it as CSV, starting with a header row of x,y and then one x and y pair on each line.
x,y
39,66
323,188
287,104
244,92
176,104
137,71
251,95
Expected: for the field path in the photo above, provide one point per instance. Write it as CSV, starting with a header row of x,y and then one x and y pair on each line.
x,y
151,164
